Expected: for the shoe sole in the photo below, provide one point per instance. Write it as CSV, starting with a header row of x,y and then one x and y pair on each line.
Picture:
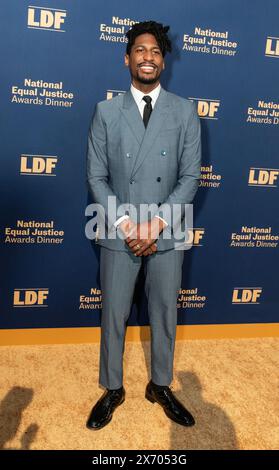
x,y
103,425
151,399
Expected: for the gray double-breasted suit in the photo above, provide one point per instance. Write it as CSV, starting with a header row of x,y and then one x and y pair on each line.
x,y
158,165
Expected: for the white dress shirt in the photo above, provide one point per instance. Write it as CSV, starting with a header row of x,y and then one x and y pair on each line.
x,y
138,97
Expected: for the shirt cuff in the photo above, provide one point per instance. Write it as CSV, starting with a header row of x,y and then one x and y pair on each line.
x,y
118,221
162,219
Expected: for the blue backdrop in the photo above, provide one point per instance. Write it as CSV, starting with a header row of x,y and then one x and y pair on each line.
x,y
60,57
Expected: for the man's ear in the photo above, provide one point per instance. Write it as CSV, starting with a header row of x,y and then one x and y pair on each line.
x,y
126,59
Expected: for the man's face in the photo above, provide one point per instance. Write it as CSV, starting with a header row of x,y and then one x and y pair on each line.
x,y
145,60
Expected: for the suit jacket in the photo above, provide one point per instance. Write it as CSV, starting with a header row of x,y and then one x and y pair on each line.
x,y
159,164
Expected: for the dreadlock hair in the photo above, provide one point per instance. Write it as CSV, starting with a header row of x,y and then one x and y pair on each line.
x,y
151,27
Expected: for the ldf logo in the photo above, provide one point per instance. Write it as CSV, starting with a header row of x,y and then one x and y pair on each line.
x,y
263,177
30,297
37,165
112,93
195,236
46,18
207,108
246,295
272,47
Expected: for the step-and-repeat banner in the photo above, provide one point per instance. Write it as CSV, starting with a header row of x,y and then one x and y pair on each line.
x,y
58,59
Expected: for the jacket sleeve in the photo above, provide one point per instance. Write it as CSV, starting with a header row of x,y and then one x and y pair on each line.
x,y
98,172
188,175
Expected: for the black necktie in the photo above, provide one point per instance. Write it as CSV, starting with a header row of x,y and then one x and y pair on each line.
x,y
147,109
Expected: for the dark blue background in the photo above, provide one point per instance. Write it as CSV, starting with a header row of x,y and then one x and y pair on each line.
x,y
89,67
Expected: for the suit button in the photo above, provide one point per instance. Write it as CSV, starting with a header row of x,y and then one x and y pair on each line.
x,y
128,155
163,153
159,179
132,181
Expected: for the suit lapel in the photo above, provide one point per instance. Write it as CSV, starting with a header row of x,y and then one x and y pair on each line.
x,y
156,121
145,137
132,116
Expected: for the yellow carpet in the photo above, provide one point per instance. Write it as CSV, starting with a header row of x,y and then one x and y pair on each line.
x,y
230,386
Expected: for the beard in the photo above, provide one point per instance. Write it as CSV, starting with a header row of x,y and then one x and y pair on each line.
x,y
145,80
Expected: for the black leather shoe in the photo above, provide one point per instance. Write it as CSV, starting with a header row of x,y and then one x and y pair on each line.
x,y
171,405
102,411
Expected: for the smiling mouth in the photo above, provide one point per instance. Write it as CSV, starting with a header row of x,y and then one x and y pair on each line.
x,y
147,68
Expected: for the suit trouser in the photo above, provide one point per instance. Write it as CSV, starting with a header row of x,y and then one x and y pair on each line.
x,y
118,275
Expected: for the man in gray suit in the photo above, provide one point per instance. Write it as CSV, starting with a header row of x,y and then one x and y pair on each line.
x,y
144,148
